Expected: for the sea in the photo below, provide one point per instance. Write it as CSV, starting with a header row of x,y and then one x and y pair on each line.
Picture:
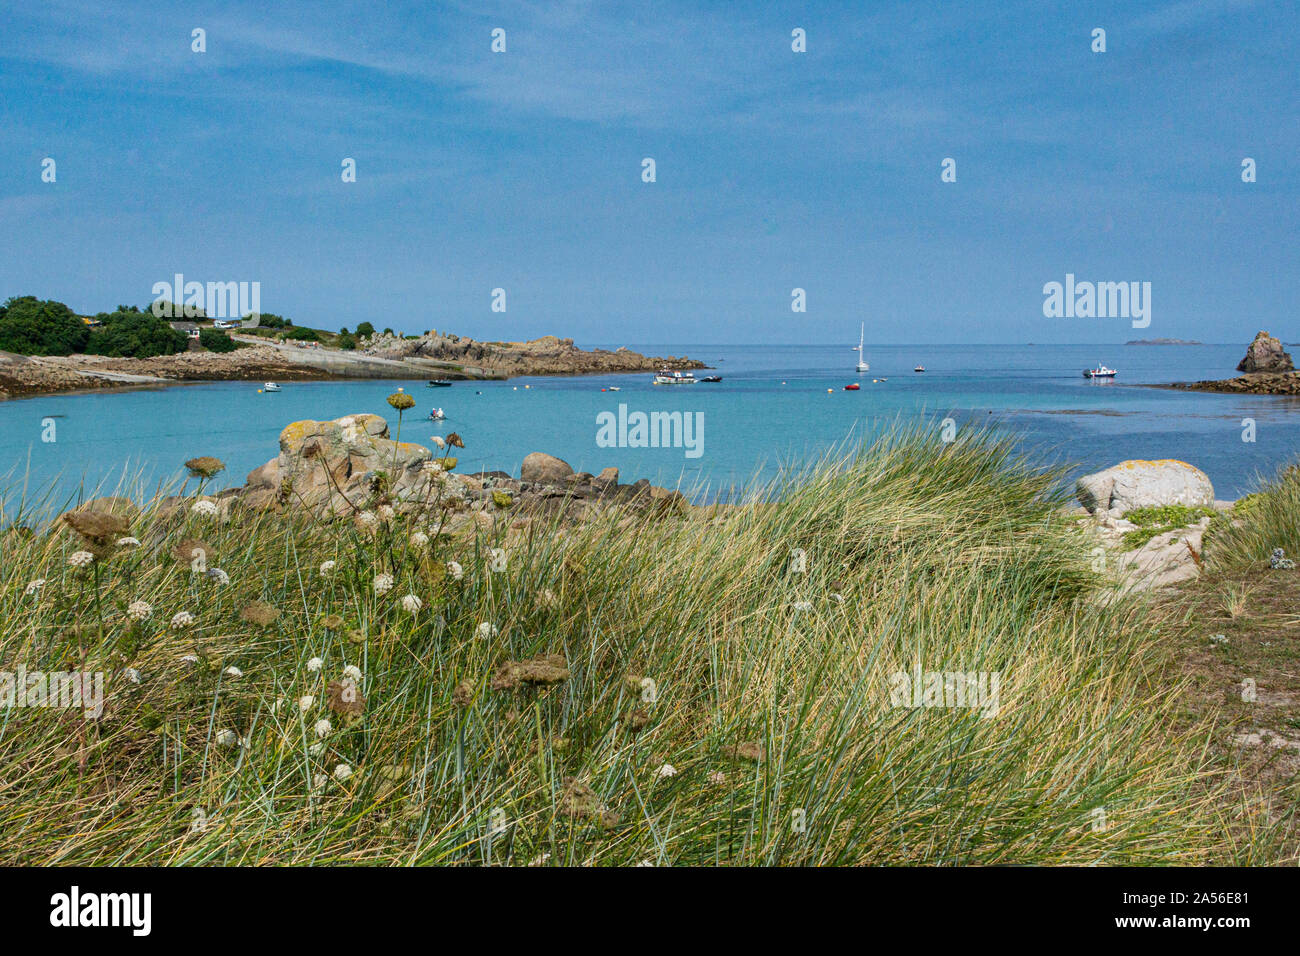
x,y
777,406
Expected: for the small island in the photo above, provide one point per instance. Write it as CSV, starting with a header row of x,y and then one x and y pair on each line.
x,y
1163,342
1268,371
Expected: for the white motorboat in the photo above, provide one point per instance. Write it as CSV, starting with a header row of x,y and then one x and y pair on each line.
x,y
1101,371
270,387
862,334
670,377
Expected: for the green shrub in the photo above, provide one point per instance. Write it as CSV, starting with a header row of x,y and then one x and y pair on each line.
x,y
214,340
301,334
346,341
32,326
135,334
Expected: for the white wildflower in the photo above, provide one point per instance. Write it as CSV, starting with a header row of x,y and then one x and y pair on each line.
x,y
383,583
798,561
323,727
218,576
35,586
128,542
497,560
440,442
327,568
342,772
315,664
803,605
666,770
233,671
182,619
412,604
305,702
548,598
132,675
367,519
139,610
455,570
431,467
80,559
352,671
419,539
317,748
319,781
198,820
487,630
226,738
837,598
386,513
204,509
189,659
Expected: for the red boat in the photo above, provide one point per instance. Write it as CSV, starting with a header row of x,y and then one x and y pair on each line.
x,y
852,388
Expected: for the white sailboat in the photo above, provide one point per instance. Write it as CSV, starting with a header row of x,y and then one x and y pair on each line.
x,y
862,333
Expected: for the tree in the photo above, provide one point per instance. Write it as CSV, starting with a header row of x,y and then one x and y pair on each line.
x,y
365,330
214,340
32,326
346,340
135,334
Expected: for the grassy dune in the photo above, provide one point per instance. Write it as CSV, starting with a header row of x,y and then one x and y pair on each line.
x,y
681,691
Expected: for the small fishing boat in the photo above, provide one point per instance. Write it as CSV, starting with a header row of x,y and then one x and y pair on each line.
x,y
439,383
270,387
436,415
919,368
862,332
711,378
852,388
670,377
1101,371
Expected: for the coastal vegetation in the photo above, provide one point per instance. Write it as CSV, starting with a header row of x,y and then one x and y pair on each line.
x,y
701,686
31,326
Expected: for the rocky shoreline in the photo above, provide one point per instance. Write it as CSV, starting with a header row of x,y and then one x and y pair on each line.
x,y
1268,371
430,356
1259,383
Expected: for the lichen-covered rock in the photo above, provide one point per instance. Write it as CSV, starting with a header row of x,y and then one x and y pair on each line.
x,y
1140,484
1265,354
334,467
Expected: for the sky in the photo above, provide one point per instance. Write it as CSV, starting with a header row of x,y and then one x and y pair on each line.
x,y
774,169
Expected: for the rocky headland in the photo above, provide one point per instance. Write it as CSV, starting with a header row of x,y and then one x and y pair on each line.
x,y
382,356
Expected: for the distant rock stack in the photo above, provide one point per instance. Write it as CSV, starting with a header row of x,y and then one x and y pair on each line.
x,y
1265,354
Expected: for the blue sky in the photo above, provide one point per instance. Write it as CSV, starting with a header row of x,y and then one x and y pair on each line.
x,y
775,170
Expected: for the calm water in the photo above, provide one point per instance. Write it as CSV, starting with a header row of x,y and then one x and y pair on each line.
x,y
771,406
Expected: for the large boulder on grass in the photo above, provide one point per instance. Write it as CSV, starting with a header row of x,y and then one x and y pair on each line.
x,y
1265,354
544,469
1141,484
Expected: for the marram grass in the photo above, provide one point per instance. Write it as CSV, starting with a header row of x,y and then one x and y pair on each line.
x,y
721,706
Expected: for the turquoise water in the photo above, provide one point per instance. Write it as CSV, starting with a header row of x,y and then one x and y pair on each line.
x,y
771,406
